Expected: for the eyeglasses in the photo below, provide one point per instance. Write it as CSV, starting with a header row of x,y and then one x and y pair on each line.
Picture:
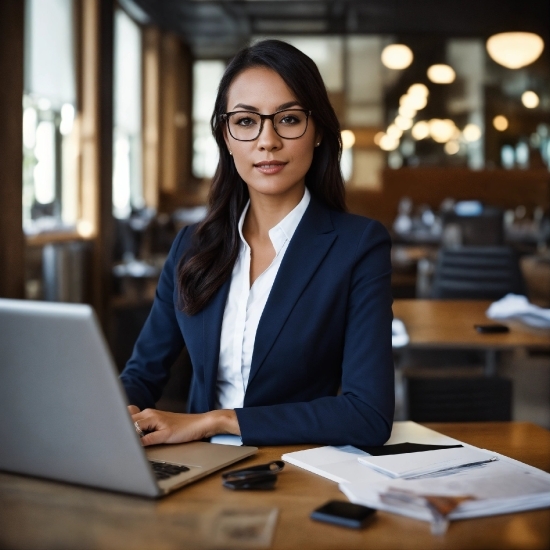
x,y
263,476
248,125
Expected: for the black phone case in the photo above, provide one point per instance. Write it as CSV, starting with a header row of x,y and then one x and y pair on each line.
x,y
324,514
491,329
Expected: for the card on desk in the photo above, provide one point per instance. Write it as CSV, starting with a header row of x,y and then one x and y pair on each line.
x,y
404,448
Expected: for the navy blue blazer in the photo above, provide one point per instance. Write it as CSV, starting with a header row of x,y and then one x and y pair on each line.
x,y
322,368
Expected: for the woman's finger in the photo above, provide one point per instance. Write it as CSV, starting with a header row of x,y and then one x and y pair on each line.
x,y
154,438
144,415
147,423
132,409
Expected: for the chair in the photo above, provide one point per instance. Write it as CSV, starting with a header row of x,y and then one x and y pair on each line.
x,y
459,399
485,228
477,272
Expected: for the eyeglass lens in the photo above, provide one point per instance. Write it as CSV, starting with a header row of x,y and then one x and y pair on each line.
x,y
246,126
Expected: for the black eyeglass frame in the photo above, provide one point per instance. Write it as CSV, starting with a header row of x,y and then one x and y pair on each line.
x,y
271,117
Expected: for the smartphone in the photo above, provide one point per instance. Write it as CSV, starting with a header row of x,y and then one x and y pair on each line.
x,y
492,328
341,512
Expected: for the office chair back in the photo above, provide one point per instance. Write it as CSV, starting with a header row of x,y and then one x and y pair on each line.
x,y
477,272
483,229
459,399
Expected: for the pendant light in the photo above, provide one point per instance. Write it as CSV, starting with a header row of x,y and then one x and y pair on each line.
x,y
515,49
397,56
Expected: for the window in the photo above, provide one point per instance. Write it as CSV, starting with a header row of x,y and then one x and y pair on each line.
x,y
127,168
206,77
49,151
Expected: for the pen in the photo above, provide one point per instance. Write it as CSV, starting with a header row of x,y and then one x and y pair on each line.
x,y
452,469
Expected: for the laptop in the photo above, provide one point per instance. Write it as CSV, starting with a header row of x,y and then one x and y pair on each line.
x,y
64,412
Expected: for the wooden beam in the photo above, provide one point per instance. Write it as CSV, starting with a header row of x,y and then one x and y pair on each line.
x,y
12,242
184,121
167,121
97,145
151,115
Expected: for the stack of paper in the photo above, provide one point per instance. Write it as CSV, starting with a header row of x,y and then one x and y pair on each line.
x,y
500,487
468,476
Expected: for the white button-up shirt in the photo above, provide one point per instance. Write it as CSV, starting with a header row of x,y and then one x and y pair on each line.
x,y
244,308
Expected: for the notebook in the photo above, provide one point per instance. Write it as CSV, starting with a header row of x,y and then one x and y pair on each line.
x,y
64,412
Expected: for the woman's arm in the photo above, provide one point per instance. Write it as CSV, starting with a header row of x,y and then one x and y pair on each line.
x,y
168,427
147,371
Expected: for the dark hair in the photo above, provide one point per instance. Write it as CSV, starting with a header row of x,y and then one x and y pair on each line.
x,y
215,246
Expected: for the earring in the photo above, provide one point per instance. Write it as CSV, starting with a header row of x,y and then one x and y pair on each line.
x,y
230,152
317,144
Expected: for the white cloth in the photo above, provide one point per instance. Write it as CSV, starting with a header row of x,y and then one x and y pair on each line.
x,y
244,308
517,307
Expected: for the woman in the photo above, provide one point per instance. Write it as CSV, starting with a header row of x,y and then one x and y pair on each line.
x,y
279,295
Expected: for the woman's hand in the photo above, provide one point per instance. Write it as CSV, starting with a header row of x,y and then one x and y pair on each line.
x,y
168,427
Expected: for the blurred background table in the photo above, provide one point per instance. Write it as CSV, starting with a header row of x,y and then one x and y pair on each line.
x,y
450,324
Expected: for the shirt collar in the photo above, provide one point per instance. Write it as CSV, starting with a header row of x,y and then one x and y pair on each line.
x,y
284,230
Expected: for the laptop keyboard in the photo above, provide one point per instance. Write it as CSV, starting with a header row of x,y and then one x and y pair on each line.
x,y
163,470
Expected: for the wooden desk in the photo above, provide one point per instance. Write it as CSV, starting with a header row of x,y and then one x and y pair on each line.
x,y
450,324
48,515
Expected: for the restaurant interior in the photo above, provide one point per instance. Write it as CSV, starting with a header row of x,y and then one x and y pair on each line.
x,y
444,108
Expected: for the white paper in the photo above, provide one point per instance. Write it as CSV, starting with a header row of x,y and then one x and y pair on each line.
x,y
411,464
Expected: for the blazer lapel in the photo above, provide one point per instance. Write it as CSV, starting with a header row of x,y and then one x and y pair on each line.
x,y
212,317
309,245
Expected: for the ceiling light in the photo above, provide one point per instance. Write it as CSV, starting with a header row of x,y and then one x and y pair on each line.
x,y
416,101
530,99
421,130
418,89
394,131
471,132
397,56
407,111
85,228
441,130
348,139
500,122
388,143
441,74
377,137
402,122
452,147
515,49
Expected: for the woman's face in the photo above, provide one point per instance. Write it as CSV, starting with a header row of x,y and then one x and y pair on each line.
x,y
270,165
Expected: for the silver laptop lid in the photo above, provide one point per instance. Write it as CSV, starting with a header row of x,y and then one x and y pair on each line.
x,y
62,406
